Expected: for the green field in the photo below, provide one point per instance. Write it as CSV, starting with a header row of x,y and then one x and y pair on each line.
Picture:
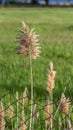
x,y
55,27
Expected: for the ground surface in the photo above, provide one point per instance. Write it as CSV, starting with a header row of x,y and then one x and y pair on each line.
x,y
55,27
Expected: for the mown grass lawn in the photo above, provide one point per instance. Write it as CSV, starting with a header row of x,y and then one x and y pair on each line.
x,y
55,27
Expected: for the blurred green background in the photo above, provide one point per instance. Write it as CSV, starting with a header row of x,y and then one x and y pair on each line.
x,y
55,27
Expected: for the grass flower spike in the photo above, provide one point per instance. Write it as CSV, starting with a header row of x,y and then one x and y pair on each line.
x,y
49,87
22,122
10,111
25,27
25,95
29,46
64,105
28,40
50,78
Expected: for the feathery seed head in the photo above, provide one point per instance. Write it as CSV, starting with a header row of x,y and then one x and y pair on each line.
x,y
64,105
17,96
50,78
25,93
10,111
2,121
28,40
25,27
51,66
22,122
35,52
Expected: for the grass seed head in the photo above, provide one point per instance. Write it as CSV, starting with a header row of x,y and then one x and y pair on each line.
x,y
2,115
64,104
28,42
25,94
25,27
50,78
22,122
10,111
17,96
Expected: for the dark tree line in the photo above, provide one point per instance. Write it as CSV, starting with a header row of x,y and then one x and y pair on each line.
x,y
32,1
46,1
36,2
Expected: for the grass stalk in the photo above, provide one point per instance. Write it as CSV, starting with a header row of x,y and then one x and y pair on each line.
x,y
60,123
45,125
51,98
69,125
11,122
64,120
31,79
17,105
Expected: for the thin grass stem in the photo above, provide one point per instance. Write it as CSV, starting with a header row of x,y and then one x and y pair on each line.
x,y
31,80
17,105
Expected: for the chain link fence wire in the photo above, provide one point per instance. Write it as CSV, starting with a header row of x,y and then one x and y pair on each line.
x,y
38,116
